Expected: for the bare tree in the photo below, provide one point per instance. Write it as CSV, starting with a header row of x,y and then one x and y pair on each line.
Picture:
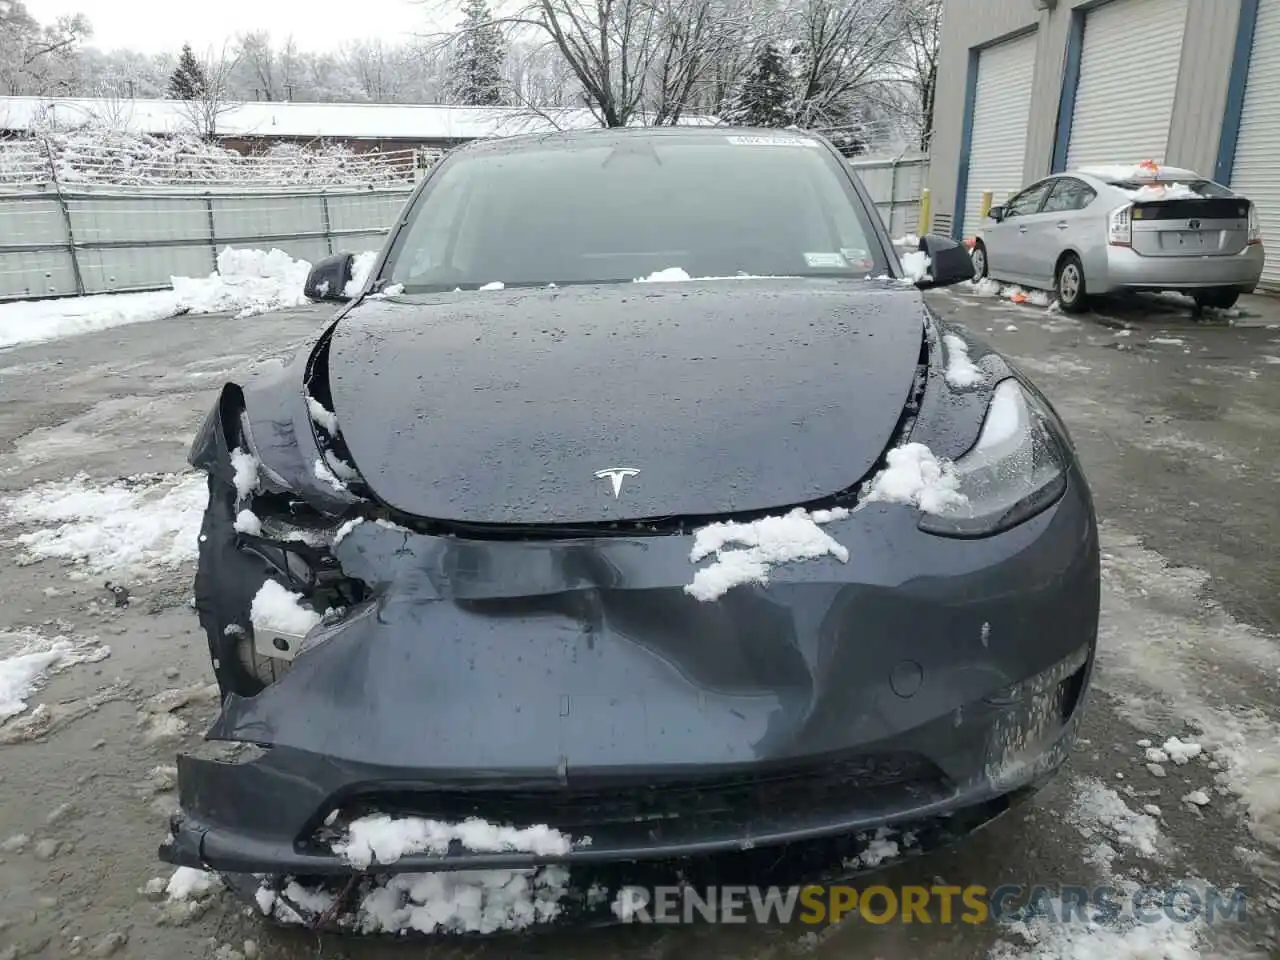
x,y
212,101
922,23
37,59
842,52
373,66
257,59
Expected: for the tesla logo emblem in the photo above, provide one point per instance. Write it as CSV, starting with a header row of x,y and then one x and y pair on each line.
x,y
615,475
1193,224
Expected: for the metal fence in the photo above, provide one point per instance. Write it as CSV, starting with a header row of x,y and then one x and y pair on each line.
x,y
895,184
59,242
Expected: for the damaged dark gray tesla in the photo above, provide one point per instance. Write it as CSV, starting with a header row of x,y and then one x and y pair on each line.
x,y
636,510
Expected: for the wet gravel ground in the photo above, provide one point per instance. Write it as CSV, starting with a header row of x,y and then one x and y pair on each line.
x,y
1178,427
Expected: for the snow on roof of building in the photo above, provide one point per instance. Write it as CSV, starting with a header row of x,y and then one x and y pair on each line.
x,y
304,120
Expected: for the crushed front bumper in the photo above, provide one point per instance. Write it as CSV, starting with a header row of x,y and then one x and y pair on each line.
x,y
575,684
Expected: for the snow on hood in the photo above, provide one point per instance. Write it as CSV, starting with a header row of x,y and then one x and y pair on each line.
x,y
916,477
961,371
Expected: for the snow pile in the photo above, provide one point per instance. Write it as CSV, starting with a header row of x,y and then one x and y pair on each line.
x,y
761,544
1163,191
914,476
449,902
961,371
246,283
278,609
464,901
915,265
37,321
92,156
27,659
1051,938
910,240
668,275
119,526
499,285
1176,750
379,838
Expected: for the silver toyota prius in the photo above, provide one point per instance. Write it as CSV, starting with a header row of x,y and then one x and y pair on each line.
x,y
1099,230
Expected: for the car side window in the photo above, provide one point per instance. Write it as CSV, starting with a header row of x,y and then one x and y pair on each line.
x,y
1028,201
1069,194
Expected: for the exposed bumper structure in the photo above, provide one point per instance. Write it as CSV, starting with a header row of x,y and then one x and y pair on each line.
x,y
575,684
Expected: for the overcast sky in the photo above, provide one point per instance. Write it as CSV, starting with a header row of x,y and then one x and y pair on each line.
x,y
157,26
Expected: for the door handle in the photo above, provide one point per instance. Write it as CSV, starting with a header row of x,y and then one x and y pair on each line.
x,y
1062,224
1022,229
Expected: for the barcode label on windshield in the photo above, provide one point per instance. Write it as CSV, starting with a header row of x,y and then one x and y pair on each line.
x,y
773,141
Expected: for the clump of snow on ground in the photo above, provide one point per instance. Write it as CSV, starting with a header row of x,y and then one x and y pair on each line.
x,y
665,276
276,608
915,265
1051,938
961,371
188,883
914,476
379,838
758,546
987,287
499,285
448,902
1100,811
465,901
115,526
28,658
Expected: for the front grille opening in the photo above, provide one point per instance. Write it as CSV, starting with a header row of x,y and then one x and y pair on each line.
x,y
642,808
683,524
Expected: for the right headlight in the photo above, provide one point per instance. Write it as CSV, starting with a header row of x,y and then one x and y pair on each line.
x,y
1016,469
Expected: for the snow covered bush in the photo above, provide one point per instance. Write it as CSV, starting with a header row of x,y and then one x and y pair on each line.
x,y
92,156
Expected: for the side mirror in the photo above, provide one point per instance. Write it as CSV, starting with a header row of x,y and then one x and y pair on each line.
x,y
996,213
949,262
328,279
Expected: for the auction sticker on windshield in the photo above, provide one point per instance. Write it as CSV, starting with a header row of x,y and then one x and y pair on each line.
x,y
826,260
772,141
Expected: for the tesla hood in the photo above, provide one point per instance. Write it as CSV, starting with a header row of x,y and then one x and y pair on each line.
x,y
703,398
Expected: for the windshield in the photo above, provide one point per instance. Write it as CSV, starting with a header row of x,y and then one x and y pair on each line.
x,y
627,208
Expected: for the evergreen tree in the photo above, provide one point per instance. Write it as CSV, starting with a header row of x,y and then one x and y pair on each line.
x,y
475,76
766,95
187,82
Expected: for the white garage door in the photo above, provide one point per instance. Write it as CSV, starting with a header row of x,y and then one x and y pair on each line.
x,y
1128,79
1001,112
1256,172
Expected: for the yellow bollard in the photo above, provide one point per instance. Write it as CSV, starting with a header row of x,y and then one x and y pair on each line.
x,y
922,227
987,197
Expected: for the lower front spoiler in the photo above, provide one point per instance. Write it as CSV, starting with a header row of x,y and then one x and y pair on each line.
x,y
598,894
